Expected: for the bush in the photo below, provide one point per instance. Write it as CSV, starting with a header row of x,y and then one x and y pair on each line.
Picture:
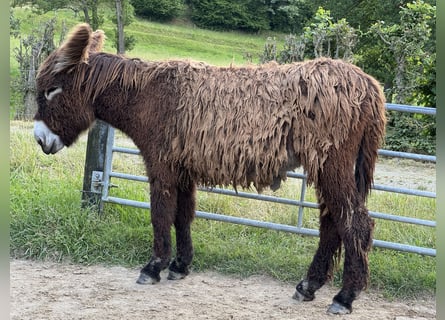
x,y
245,15
411,133
161,10
288,15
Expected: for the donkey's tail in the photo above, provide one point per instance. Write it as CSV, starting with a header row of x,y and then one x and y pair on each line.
x,y
371,140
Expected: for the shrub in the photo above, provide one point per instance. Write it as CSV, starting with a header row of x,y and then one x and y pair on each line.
x,y
411,133
161,10
245,15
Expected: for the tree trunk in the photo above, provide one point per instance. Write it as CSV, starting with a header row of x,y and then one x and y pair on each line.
x,y
30,107
120,28
399,81
95,16
86,14
30,101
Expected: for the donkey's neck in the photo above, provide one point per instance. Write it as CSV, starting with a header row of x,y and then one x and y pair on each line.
x,y
147,105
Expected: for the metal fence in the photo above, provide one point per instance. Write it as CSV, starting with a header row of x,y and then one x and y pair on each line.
x,y
100,183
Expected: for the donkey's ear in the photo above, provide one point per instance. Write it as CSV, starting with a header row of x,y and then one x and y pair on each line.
x,y
75,49
97,41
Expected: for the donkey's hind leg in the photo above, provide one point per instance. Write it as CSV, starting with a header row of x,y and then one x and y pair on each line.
x,y
179,267
163,198
322,265
338,190
357,238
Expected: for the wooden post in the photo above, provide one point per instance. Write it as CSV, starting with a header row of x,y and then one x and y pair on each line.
x,y
97,143
94,165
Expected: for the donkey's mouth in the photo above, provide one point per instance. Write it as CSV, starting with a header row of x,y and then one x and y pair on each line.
x,y
52,149
49,141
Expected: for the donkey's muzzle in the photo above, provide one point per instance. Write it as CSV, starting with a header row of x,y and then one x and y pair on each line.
x,y
49,141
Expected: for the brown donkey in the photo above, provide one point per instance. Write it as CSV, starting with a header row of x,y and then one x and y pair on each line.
x,y
241,126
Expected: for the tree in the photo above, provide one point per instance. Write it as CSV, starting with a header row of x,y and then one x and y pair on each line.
x,y
120,27
123,17
244,15
412,66
320,38
408,43
288,15
161,10
85,6
30,53
329,38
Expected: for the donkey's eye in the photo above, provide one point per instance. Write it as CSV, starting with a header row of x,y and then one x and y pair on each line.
x,y
52,92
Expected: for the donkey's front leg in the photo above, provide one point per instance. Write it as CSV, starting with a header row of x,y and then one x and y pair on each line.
x,y
163,197
179,267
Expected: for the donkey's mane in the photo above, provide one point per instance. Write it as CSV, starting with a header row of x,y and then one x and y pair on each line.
x,y
132,73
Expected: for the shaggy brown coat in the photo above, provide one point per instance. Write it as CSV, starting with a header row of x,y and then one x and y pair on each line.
x,y
241,126
255,123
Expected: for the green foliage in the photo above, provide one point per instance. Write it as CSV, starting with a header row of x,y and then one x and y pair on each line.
x,y
89,8
322,37
245,15
408,41
411,133
403,59
328,38
288,15
31,51
160,10
270,51
410,64
361,14
42,6
14,24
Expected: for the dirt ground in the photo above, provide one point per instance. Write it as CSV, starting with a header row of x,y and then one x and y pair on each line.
x,y
47,290
406,174
62,291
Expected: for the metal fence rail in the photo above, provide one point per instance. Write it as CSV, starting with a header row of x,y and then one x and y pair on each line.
x,y
300,203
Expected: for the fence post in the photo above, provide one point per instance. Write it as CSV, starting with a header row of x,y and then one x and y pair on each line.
x,y
94,165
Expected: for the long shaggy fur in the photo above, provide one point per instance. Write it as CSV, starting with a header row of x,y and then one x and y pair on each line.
x,y
250,125
241,126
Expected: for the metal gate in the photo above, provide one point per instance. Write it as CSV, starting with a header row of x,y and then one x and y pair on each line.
x,y
101,183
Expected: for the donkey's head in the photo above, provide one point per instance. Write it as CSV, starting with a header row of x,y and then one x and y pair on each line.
x,y
63,111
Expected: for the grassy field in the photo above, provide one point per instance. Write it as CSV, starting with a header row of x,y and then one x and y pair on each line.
x,y
47,221
154,41
157,41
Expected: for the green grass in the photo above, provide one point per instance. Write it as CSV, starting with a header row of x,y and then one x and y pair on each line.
x,y
47,222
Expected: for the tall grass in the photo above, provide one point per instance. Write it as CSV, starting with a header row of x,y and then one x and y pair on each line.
x,y
47,222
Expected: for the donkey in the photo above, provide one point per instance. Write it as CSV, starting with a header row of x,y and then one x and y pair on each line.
x,y
197,124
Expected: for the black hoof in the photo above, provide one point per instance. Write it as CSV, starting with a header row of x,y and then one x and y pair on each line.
x,y
337,308
177,270
302,293
175,276
146,279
